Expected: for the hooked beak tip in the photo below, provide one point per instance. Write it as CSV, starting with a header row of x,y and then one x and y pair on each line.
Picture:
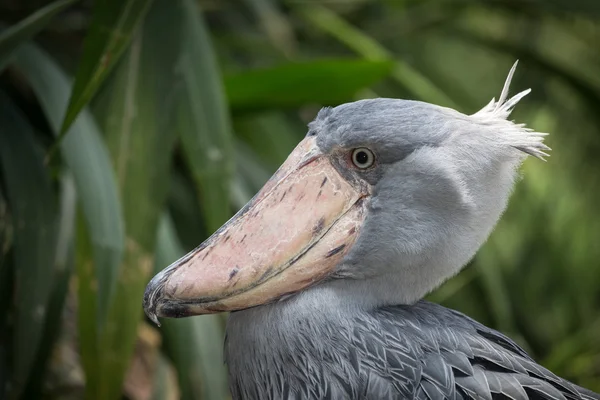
x,y
154,318
153,293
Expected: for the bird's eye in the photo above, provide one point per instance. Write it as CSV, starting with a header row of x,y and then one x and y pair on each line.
x,y
362,158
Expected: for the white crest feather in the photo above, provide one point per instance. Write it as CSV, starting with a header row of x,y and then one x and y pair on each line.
x,y
516,135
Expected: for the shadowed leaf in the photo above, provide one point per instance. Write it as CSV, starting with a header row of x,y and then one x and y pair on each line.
x,y
87,158
61,272
100,226
33,209
19,33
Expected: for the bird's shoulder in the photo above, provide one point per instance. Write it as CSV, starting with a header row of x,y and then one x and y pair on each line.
x,y
433,352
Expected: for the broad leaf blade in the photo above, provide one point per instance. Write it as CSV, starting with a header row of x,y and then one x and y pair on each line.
x,y
317,82
101,234
33,208
194,344
204,123
113,25
136,110
19,33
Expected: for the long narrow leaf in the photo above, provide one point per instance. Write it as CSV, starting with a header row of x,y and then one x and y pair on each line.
x,y
5,294
113,24
19,33
100,235
275,24
328,21
204,123
137,113
61,271
570,73
33,208
194,344
5,267
317,82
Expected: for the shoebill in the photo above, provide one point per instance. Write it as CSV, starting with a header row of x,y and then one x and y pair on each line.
x,y
325,268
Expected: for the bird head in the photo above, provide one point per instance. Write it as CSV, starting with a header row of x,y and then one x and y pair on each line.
x,y
397,193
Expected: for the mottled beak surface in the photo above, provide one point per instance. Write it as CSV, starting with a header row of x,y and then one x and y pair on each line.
x,y
289,236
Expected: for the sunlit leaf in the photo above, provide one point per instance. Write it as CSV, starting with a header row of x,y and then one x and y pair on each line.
x,y
323,82
204,123
19,33
113,24
33,207
136,112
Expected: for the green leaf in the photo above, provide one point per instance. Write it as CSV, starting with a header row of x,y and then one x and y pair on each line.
x,y
489,269
6,239
33,209
88,160
251,169
569,72
272,135
250,176
296,84
204,123
62,269
194,344
19,33
364,45
113,24
5,294
137,110
274,24
183,205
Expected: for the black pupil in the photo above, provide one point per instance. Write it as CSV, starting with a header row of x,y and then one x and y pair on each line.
x,y
362,157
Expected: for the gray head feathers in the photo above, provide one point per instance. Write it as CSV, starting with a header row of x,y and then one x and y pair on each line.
x,y
441,182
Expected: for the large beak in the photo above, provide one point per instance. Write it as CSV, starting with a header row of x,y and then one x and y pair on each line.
x,y
290,235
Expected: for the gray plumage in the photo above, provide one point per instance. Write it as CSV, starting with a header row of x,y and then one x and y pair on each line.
x,y
422,351
439,184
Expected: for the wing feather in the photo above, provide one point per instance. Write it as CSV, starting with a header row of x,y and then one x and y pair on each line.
x,y
452,356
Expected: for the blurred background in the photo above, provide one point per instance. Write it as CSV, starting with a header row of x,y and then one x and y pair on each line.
x,y
132,129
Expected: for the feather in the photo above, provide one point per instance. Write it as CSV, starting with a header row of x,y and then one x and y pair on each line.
x,y
515,135
398,352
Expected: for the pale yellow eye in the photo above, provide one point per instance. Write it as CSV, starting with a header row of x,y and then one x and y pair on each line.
x,y
362,158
